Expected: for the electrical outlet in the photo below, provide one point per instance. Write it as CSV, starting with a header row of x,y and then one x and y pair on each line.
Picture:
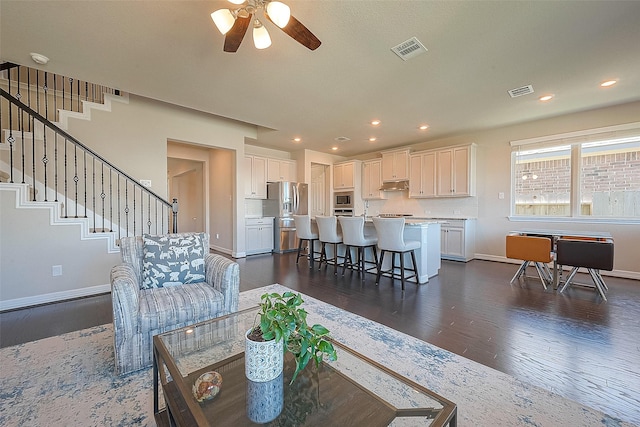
x,y
456,212
145,183
56,270
501,195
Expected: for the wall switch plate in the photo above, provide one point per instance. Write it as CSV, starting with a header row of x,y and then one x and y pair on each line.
x,y
145,182
56,270
217,235
501,195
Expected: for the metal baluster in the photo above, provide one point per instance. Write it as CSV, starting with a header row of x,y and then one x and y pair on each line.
x,y
33,156
126,205
79,100
84,156
22,141
119,219
11,139
45,160
70,94
55,96
156,218
29,93
102,194
37,94
133,188
93,191
149,212
110,199
75,176
66,186
55,164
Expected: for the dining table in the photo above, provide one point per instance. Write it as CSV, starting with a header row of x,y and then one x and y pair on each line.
x,y
554,235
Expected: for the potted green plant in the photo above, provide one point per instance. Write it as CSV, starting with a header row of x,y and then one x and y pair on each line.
x,y
283,320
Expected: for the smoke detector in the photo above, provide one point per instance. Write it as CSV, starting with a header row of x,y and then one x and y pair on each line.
x,y
39,59
409,49
519,91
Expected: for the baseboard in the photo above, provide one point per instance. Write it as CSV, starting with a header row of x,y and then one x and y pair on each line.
x,y
53,297
623,274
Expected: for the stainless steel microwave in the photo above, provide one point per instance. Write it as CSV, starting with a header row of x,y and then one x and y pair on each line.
x,y
343,200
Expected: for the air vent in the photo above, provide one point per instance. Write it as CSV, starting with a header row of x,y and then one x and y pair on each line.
x,y
342,139
519,91
408,49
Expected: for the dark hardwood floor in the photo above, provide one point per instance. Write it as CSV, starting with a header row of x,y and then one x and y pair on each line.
x,y
572,343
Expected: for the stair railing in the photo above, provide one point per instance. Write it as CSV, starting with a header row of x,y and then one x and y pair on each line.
x,y
62,169
48,93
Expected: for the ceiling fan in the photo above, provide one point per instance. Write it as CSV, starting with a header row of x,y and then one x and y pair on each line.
x,y
233,23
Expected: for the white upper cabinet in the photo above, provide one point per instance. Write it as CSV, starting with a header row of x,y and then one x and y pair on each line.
x,y
395,165
281,170
372,180
456,171
255,184
448,172
344,177
422,175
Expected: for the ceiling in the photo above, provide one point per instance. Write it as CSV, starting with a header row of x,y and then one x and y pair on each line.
x,y
477,50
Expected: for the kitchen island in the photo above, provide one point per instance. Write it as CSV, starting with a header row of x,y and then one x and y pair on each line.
x,y
427,232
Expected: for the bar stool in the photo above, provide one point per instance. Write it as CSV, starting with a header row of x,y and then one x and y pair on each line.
x,y
531,249
305,234
594,255
390,239
328,233
353,237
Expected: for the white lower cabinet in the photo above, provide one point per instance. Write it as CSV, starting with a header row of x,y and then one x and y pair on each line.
x,y
259,235
458,239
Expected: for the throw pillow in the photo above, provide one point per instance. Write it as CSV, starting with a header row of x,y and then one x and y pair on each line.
x,y
172,259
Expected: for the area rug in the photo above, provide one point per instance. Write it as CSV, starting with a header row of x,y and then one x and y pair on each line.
x,y
69,380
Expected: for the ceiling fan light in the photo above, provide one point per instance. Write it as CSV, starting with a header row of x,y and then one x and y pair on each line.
x,y
237,1
224,20
261,38
279,13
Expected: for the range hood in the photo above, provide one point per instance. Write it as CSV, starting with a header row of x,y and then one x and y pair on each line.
x,y
395,186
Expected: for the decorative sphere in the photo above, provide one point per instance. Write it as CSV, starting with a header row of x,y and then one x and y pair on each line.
x,y
207,386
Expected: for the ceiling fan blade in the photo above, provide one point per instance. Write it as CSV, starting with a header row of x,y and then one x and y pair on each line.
x,y
236,34
300,33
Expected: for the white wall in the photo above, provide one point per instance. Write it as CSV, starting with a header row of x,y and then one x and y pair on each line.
x,y
30,247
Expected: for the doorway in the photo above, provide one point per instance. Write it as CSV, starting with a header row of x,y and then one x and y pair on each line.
x,y
319,190
186,183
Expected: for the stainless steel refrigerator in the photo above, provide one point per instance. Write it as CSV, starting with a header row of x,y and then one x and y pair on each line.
x,y
285,199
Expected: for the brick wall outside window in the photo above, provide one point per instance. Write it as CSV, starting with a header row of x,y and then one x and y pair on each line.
x,y
610,185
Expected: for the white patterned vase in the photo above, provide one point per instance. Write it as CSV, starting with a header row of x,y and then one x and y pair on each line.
x,y
263,361
265,399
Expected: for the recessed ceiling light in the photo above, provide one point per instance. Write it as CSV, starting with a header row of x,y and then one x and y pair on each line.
x,y
297,139
423,127
375,122
545,98
372,139
334,148
608,83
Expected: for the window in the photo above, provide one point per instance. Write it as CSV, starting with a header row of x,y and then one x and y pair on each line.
x,y
590,174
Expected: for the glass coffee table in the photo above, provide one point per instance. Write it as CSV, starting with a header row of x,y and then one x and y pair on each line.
x,y
353,390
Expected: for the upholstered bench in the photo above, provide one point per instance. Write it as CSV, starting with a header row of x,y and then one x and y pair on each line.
x,y
166,282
